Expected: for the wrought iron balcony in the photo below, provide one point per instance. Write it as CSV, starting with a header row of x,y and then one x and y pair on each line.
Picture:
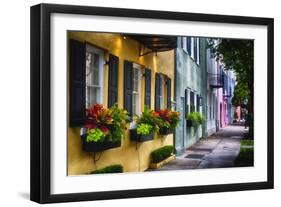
x,y
215,80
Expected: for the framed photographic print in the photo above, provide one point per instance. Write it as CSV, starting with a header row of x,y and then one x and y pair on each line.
x,y
132,103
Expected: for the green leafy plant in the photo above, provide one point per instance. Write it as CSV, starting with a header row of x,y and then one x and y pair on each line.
x,y
109,169
119,124
95,135
144,129
162,153
147,122
200,118
196,118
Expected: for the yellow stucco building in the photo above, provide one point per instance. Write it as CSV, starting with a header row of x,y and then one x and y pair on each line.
x,y
101,47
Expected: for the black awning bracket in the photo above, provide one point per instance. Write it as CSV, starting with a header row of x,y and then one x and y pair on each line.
x,y
142,51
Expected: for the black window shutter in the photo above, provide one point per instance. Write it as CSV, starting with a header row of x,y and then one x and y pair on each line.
x,y
181,42
197,102
157,91
191,98
169,93
113,80
128,87
195,48
189,45
186,102
192,107
77,83
147,96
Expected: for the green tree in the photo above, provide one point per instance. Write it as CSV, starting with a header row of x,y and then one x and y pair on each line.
x,y
241,94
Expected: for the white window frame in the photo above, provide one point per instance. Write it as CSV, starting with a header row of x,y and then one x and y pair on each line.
x,y
100,52
192,48
184,44
137,67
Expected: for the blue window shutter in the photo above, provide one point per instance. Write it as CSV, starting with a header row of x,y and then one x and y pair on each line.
x,y
128,87
77,53
147,98
113,80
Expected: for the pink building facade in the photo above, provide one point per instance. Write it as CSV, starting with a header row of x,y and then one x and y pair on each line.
x,y
225,110
222,112
238,112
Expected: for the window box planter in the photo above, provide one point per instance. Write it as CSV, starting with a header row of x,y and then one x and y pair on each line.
x,y
188,123
140,138
165,131
99,146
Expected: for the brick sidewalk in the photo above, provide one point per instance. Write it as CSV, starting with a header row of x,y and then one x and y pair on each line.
x,y
216,151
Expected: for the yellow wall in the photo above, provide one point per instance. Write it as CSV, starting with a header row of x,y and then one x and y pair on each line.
x,y
80,162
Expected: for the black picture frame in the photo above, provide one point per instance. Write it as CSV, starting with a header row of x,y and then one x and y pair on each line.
x,y
41,95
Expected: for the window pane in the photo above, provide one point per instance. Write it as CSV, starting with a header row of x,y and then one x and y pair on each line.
x,y
96,69
135,83
136,79
162,102
162,84
92,96
92,68
135,103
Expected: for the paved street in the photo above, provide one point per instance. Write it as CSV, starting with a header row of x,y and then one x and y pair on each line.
x,y
216,151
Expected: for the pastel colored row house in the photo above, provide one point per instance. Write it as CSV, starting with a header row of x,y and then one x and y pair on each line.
x,y
133,71
221,85
190,89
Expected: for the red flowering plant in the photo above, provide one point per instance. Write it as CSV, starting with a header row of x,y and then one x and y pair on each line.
x,y
167,119
105,123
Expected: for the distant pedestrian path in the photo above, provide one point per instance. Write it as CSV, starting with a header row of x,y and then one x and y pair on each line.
x,y
232,131
217,151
